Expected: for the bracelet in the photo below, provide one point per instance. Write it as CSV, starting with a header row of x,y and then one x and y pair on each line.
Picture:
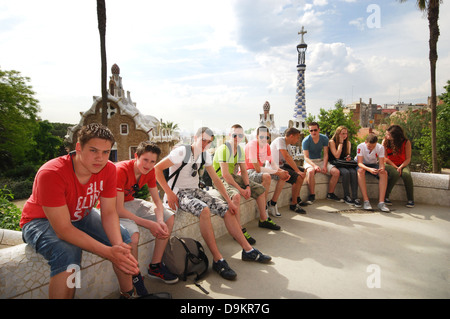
x,y
245,186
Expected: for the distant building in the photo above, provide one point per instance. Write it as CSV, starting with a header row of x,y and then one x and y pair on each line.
x,y
125,121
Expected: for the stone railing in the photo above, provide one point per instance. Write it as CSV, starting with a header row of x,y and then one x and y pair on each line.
x,y
25,274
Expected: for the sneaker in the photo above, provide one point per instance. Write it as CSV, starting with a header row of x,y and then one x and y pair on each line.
x,y
299,202
247,236
311,199
333,196
348,200
367,205
268,223
138,283
382,206
163,273
410,204
387,202
357,203
129,295
255,255
297,208
273,210
222,268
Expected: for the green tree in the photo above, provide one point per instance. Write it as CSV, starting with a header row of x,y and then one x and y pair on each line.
x,y
330,120
169,126
431,7
442,134
18,114
47,145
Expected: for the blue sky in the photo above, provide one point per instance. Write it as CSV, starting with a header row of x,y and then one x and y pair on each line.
x,y
215,63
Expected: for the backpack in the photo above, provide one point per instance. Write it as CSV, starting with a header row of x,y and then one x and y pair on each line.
x,y
183,164
184,257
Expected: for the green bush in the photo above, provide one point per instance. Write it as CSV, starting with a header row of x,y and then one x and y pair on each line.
x,y
9,213
20,187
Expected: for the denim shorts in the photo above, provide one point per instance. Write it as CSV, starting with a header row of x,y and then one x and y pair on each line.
x,y
60,254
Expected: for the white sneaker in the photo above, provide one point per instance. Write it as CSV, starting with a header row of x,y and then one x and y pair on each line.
x,y
382,206
273,210
367,205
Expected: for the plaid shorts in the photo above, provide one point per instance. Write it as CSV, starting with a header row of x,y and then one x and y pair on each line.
x,y
194,200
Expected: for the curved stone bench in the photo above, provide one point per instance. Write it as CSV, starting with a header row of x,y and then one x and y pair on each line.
x,y
25,274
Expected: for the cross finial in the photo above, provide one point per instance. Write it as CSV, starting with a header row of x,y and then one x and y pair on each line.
x,y
303,32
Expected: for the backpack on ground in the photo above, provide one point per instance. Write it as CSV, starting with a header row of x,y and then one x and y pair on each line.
x,y
185,257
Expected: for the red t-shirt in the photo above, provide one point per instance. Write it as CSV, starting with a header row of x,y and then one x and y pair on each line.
x,y
254,152
397,158
126,179
56,185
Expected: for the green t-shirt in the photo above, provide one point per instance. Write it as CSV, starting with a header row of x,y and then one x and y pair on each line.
x,y
223,154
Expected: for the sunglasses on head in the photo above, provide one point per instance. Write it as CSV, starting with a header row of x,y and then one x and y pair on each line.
x,y
264,137
237,135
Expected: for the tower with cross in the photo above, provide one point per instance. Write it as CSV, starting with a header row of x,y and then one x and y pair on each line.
x,y
299,116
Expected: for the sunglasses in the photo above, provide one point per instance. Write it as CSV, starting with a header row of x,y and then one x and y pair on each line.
x,y
264,137
194,170
135,189
313,130
237,135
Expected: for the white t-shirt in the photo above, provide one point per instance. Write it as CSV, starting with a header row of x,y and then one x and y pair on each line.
x,y
278,144
185,179
369,157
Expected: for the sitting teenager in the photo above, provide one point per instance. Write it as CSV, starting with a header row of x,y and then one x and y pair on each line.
x,y
370,158
59,219
315,151
132,175
398,157
340,148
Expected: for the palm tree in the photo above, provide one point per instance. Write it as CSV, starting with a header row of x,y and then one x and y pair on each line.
x,y
432,9
169,126
101,16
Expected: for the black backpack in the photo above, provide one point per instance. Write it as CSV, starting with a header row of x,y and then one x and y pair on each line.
x,y
185,257
183,164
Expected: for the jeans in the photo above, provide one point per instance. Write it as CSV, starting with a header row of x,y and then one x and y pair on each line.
x,y
60,254
393,177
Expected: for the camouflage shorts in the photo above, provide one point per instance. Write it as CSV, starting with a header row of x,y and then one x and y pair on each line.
x,y
194,200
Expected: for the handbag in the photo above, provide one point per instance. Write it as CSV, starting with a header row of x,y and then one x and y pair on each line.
x,y
339,163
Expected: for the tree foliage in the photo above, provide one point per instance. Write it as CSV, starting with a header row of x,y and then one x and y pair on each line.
x,y
18,114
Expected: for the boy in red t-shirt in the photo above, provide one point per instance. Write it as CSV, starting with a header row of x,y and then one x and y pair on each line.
x,y
132,175
59,219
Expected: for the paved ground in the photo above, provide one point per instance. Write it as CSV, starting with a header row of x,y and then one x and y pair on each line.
x,y
323,254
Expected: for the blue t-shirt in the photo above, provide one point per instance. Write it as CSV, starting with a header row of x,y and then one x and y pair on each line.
x,y
315,150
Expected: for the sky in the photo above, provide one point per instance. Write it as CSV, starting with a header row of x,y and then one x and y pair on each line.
x,y
214,63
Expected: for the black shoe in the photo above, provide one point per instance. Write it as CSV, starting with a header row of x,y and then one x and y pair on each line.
x,y
255,255
247,236
268,223
332,196
311,199
348,200
222,268
296,208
